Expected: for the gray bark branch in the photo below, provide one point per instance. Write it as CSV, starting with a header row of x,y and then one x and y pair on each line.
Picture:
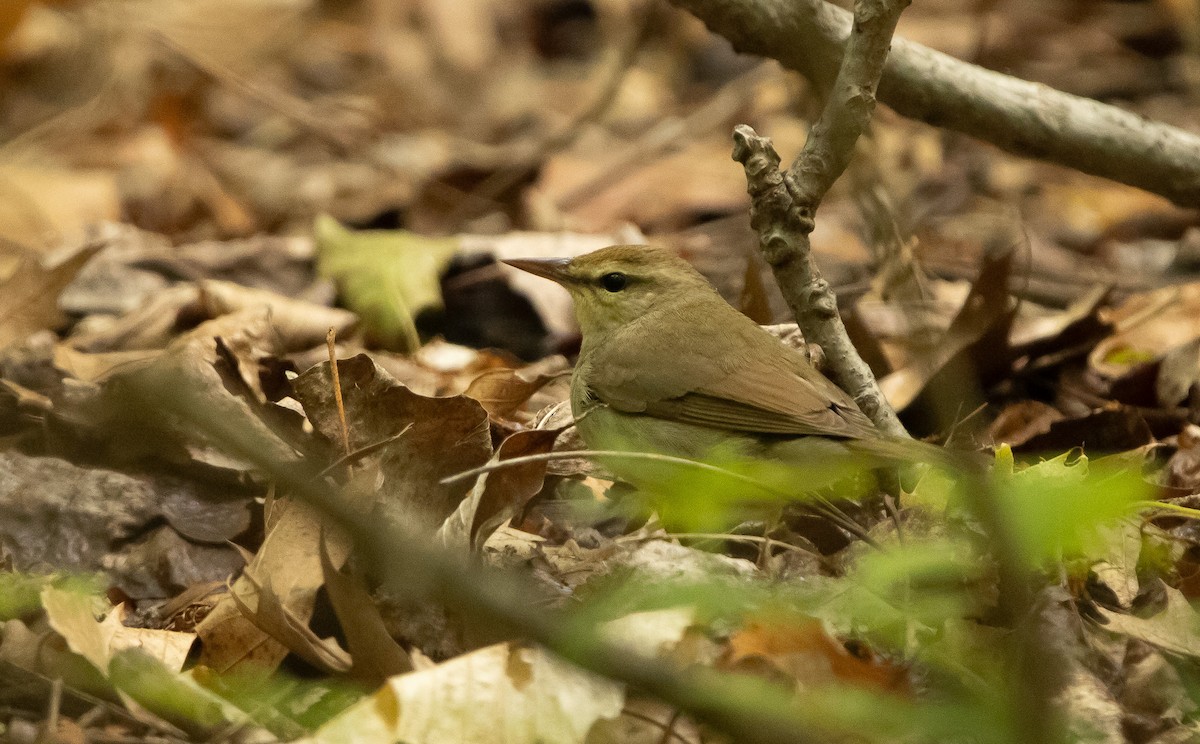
x,y
782,205
1024,118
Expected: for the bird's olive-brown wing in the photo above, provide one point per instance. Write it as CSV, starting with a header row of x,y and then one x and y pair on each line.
x,y
733,376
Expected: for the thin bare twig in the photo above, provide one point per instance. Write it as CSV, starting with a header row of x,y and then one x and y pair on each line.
x,y
361,452
1024,118
330,341
783,204
726,537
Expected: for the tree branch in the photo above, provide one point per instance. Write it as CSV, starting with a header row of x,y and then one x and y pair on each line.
x,y
782,205
1024,118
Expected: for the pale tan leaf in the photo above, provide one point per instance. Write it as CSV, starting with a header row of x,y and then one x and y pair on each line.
x,y
501,694
1176,629
29,297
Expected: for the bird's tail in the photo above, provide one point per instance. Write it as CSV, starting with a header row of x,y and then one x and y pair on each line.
x,y
897,451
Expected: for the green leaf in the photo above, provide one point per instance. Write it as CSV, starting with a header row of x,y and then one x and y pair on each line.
x,y
1058,507
20,593
387,277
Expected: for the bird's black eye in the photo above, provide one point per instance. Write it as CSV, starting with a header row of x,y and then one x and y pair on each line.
x,y
614,282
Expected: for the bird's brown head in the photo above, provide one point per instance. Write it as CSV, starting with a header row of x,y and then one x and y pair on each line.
x,y
617,285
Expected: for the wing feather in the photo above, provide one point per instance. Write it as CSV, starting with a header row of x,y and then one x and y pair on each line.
x,y
738,377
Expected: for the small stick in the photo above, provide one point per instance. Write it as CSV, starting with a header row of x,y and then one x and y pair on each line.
x,y
50,732
330,338
361,452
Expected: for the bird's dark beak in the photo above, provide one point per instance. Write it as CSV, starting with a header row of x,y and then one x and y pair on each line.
x,y
554,269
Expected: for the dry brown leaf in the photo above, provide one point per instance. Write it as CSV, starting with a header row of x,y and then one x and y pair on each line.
x,y
29,296
500,495
1149,325
375,654
99,367
502,391
153,325
72,614
1087,209
653,634
195,372
41,207
1019,422
806,652
289,558
263,607
420,440
988,309
298,324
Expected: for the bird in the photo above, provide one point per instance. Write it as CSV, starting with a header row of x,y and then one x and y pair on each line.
x,y
666,366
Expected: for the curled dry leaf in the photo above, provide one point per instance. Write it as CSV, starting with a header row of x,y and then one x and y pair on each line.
x,y
152,325
98,367
986,314
273,262
1021,421
299,325
375,654
1176,629
29,295
654,633
1037,330
502,391
805,651
72,614
500,495
61,203
442,436
194,380
290,559
1149,325
265,609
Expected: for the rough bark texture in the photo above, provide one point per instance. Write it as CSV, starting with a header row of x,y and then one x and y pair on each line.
x,y
783,204
1021,117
